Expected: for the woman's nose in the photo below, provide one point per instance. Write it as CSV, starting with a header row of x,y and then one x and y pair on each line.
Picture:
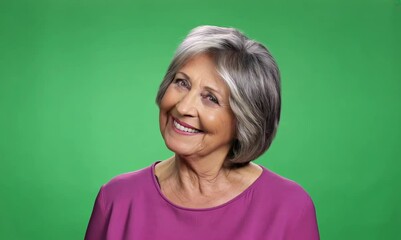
x,y
187,105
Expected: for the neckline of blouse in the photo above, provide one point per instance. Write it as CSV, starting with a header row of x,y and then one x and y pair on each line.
x,y
243,193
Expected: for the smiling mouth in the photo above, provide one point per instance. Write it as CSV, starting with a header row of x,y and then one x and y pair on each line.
x,y
185,129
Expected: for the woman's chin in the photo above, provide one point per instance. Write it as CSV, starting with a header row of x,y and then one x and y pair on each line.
x,y
181,152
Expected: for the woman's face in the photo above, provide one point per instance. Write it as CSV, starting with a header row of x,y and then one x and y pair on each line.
x,y
195,117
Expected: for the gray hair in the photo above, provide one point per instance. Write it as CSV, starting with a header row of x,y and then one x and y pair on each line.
x,y
253,78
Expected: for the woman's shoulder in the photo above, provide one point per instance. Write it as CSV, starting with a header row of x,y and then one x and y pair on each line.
x,y
128,184
283,191
287,202
129,177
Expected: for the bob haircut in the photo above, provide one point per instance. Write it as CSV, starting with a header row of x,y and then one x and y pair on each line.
x,y
253,78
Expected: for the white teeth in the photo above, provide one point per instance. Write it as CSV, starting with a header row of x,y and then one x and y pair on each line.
x,y
184,129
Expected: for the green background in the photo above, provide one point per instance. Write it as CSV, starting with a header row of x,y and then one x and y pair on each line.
x,y
78,80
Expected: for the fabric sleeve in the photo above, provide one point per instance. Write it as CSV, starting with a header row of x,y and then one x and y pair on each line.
x,y
97,226
305,227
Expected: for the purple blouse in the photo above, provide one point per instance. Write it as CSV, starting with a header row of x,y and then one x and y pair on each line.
x,y
132,206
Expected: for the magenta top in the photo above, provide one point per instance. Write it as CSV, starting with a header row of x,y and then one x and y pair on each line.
x,y
132,206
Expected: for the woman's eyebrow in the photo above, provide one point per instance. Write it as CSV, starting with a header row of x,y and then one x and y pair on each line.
x,y
208,88
185,75
211,89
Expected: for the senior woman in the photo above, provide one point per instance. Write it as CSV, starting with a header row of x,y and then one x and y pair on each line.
x,y
219,110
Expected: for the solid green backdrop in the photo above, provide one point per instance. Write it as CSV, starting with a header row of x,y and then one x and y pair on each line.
x,y
78,81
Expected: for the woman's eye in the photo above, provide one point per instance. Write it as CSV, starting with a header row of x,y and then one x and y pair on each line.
x,y
181,83
211,98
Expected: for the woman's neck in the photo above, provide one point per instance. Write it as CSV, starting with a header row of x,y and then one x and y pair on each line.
x,y
200,176
194,173
197,184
